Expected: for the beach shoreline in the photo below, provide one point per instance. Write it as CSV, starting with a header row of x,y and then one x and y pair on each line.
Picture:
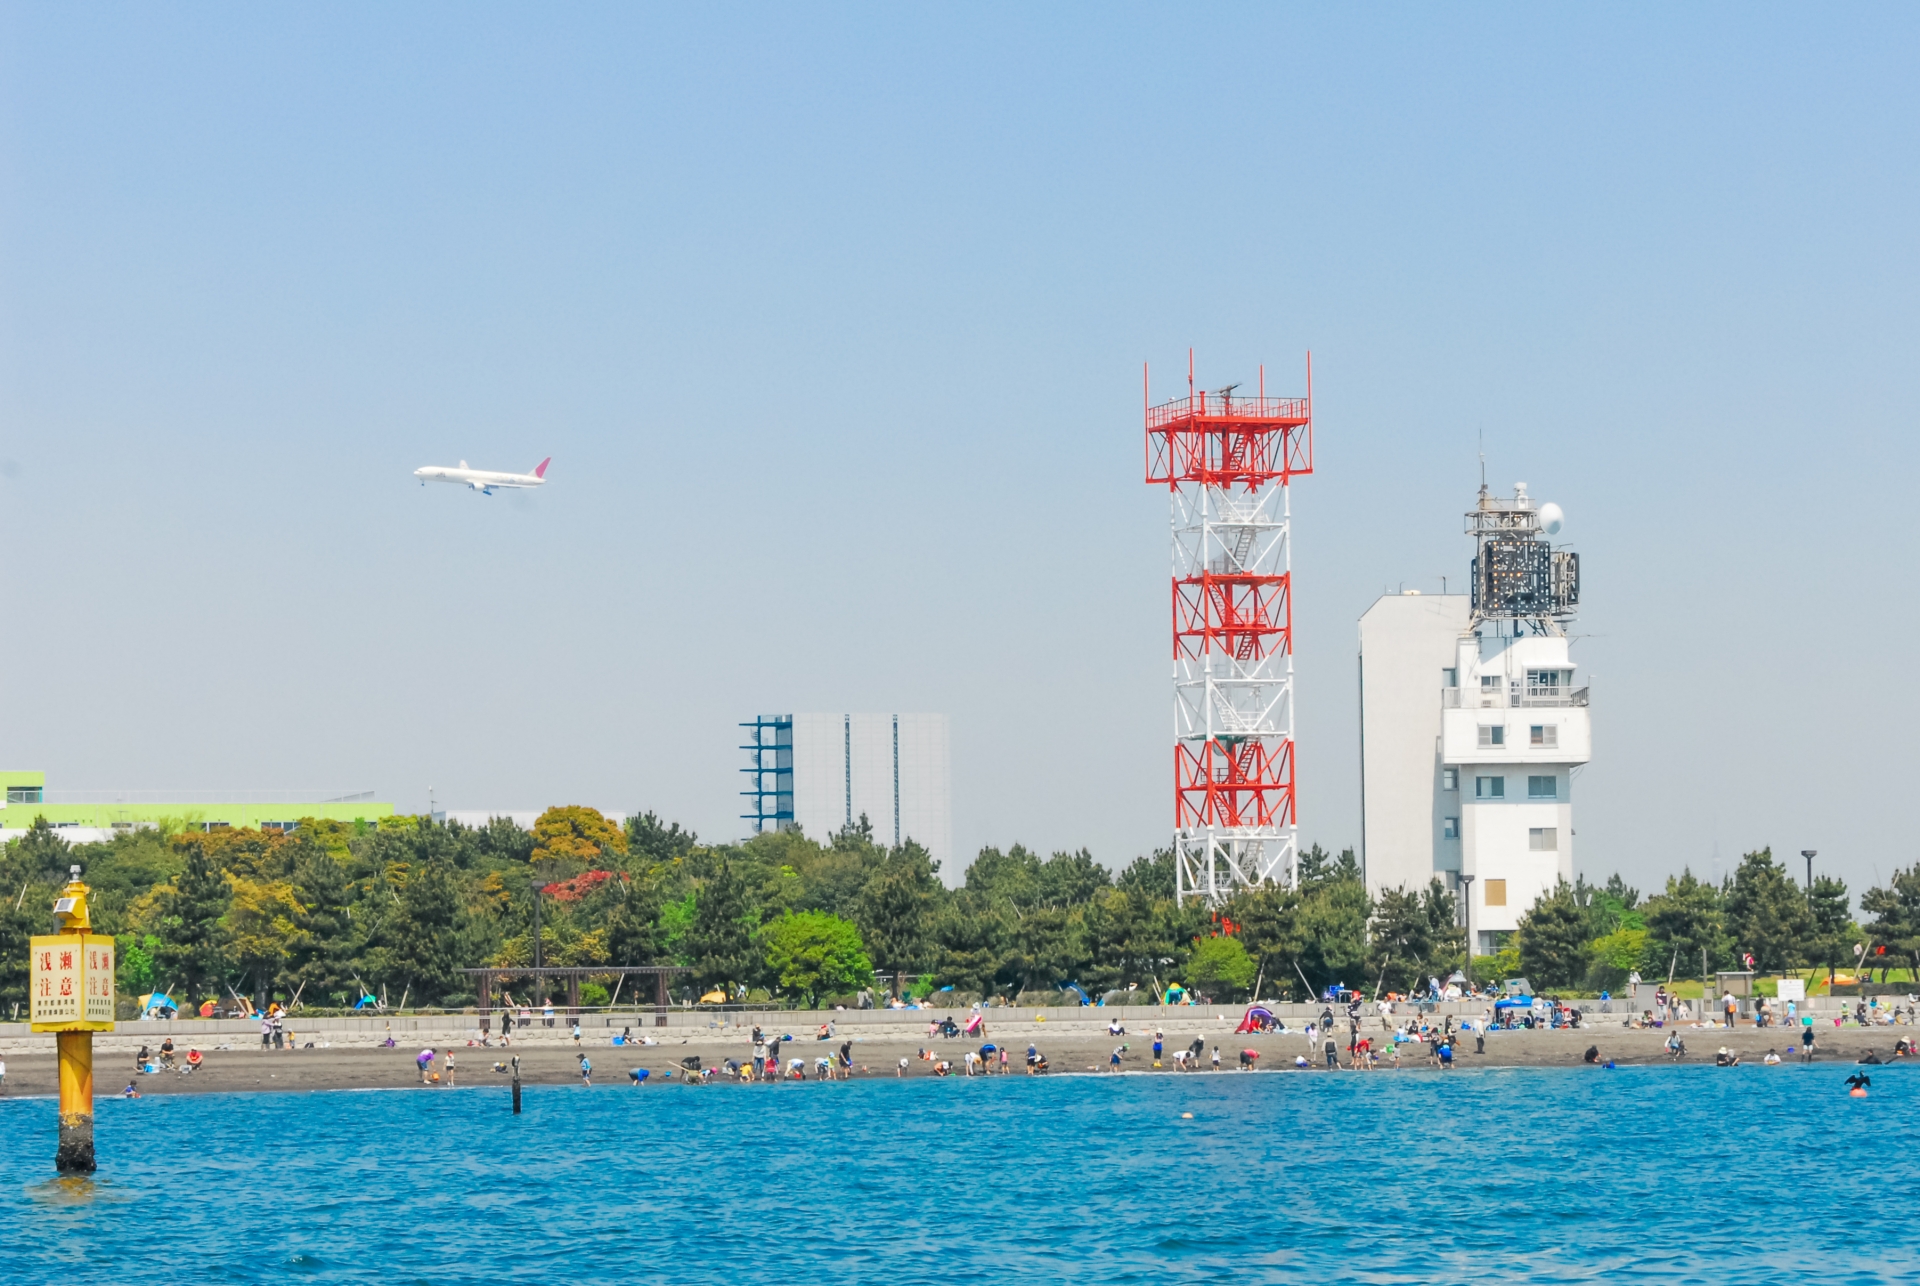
x,y
551,1058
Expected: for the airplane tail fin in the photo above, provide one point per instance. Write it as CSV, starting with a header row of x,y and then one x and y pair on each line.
x,y
540,470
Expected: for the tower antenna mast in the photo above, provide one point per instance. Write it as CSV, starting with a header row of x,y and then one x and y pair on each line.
x,y
1227,462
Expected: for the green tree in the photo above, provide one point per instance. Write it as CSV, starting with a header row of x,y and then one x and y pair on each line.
x,y
1613,956
895,909
1831,929
1412,937
815,954
1334,910
321,951
651,840
719,943
1896,919
1150,878
1071,879
425,944
1220,964
1553,939
1683,921
193,933
1268,917
1766,914
44,855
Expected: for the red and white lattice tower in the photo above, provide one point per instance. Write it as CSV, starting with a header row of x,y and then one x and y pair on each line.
x,y
1227,461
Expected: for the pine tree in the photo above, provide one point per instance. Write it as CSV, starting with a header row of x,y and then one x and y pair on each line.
x,y
193,938
720,940
321,954
896,907
1766,914
1686,919
1553,939
1830,922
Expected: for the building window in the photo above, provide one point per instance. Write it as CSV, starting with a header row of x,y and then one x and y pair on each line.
x,y
1544,839
1450,828
1543,787
1450,677
1489,787
1492,736
216,826
1489,683
1543,683
23,795
1449,779
1496,892
1546,735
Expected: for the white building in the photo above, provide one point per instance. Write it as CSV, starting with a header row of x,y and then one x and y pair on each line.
x,y
1472,725
823,772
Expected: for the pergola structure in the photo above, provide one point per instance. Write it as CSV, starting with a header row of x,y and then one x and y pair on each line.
x,y
488,977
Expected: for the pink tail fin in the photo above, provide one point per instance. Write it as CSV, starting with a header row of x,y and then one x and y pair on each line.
x,y
540,470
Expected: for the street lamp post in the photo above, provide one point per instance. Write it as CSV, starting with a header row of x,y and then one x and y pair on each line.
x,y
1809,854
1466,906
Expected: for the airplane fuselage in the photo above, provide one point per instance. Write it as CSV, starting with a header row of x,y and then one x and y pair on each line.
x,y
482,480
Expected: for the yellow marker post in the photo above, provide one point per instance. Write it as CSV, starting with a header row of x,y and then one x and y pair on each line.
x,y
72,993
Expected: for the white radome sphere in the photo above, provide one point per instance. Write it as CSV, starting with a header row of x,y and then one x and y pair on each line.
x,y
1552,518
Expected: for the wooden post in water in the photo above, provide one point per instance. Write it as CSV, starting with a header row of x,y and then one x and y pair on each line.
x,y
72,997
516,1084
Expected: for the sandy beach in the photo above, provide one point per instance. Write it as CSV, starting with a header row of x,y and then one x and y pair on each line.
x,y
549,1058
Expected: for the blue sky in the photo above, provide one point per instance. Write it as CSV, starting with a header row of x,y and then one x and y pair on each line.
x,y
833,325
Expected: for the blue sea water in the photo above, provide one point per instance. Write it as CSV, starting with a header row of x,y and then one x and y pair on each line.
x,y
1652,1174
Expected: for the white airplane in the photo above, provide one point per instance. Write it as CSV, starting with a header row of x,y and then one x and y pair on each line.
x,y
483,480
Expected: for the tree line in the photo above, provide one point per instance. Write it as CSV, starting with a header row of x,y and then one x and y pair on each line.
x,y
333,912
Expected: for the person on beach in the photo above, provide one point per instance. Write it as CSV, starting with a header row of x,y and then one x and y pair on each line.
x,y
586,1070
266,1031
1731,1007
1675,1047
846,1060
1806,1044
548,1014
1332,1052
1216,1058
449,1077
576,1033
424,1061
902,1071
1772,1059
166,1054
279,1030
129,1092
1003,1060
1157,1035
193,1062
141,1060
1446,1056
1113,1063
637,1077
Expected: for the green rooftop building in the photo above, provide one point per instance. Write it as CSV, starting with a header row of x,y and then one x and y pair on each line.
x,y
108,810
